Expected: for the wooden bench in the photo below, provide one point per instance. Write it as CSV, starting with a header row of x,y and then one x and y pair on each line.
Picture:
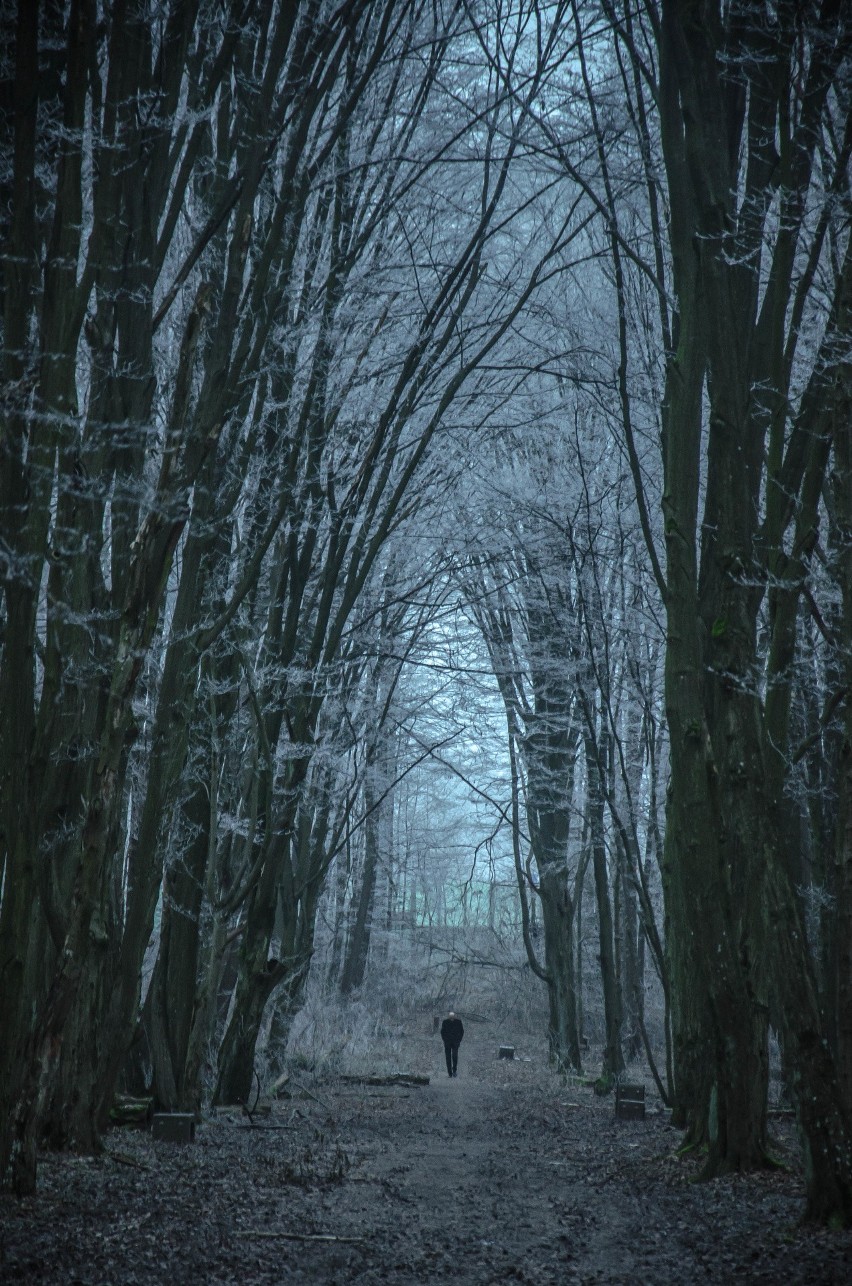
x,y
173,1127
630,1102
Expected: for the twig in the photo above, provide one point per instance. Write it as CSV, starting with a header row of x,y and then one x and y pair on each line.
x,y
303,1089
126,1160
238,1125
398,1078
296,1236
250,1111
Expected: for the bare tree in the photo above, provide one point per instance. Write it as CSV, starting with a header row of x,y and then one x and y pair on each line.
x,y
754,131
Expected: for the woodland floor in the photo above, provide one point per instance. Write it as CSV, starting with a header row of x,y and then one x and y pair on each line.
x,y
501,1175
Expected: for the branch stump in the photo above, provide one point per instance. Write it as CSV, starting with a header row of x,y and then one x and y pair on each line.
x,y
173,1127
397,1078
630,1102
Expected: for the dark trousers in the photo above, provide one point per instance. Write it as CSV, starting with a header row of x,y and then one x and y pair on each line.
x,y
452,1056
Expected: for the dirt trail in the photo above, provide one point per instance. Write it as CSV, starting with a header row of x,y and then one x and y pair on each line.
x,y
496,1180
501,1175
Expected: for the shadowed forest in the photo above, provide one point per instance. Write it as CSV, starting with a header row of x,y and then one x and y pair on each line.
x,y
426,584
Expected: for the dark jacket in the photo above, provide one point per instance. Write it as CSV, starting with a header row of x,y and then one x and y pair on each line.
x,y
452,1031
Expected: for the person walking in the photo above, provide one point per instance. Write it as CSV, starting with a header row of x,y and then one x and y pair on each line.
x,y
452,1031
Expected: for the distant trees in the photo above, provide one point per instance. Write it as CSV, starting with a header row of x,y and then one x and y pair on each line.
x,y
560,613
529,625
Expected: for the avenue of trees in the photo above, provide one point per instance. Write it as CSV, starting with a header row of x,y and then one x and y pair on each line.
x,y
411,405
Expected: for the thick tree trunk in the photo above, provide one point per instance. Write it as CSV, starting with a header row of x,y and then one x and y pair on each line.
x,y
173,984
841,883
558,925
236,1056
254,988
273,910
720,1046
824,1124
841,935
71,1119
23,938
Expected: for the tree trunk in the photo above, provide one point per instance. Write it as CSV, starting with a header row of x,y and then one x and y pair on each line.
x,y
557,916
236,1055
294,858
358,946
173,984
632,957
342,875
612,1062
841,883
175,726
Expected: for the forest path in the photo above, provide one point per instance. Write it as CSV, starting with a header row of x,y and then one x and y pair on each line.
x,y
504,1174
487,1189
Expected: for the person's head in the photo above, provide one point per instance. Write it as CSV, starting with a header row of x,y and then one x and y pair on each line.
x,y
452,1013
